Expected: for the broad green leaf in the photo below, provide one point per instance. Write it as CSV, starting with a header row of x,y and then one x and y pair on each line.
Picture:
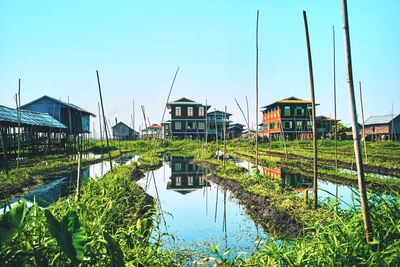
x,y
13,222
114,250
70,235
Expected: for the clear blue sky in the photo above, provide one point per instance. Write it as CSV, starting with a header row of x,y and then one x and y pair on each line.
x,y
55,47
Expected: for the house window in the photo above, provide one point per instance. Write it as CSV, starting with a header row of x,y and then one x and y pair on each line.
x,y
191,125
178,111
178,125
178,181
166,126
201,125
299,111
299,125
272,125
309,124
178,166
190,111
287,125
201,181
190,180
286,111
201,111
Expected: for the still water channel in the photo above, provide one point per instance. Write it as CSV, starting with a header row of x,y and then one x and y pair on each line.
x,y
200,211
64,185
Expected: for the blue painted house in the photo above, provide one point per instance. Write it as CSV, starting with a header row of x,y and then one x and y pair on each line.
x,y
75,118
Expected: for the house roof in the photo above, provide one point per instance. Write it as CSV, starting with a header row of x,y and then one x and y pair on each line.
x,y
380,119
290,100
324,118
121,123
236,125
154,126
183,101
218,112
9,115
72,106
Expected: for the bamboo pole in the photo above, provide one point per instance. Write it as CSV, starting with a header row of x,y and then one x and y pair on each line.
x,y
224,125
206,127
315,166
119,142
78,178
248,117
334,96
100,129
216,131
363,126
104,120
356,136
169,94
247,123
19,120
258,13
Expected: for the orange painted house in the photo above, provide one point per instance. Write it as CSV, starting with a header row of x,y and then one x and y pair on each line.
x,y
289,117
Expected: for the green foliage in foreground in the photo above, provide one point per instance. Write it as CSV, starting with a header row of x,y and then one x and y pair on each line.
x,y
340,241
109,226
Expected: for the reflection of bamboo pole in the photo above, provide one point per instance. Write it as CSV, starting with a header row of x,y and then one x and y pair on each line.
x,y
363,126
257,88
206,127
356,136
104,120
312,110
216,206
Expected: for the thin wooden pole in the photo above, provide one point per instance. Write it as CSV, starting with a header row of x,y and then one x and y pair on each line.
x,y
247,123
363,126
119,142
169,94
356,136
216,131
258,13
19,120
104,120
206,126
248,117
224,158
334,94
100,130
78,177
4,145
310,68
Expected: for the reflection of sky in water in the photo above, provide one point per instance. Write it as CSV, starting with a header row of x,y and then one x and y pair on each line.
x,y
197,215
63,186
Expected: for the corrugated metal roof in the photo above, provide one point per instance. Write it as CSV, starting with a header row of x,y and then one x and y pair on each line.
x,y
9,115
72,106
380,119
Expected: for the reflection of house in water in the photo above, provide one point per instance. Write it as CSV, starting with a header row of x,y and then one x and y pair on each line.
x,y
298,181
186,176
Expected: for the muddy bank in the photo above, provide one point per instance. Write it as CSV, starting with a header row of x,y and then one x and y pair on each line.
x,y
302,168
341,164
258,207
